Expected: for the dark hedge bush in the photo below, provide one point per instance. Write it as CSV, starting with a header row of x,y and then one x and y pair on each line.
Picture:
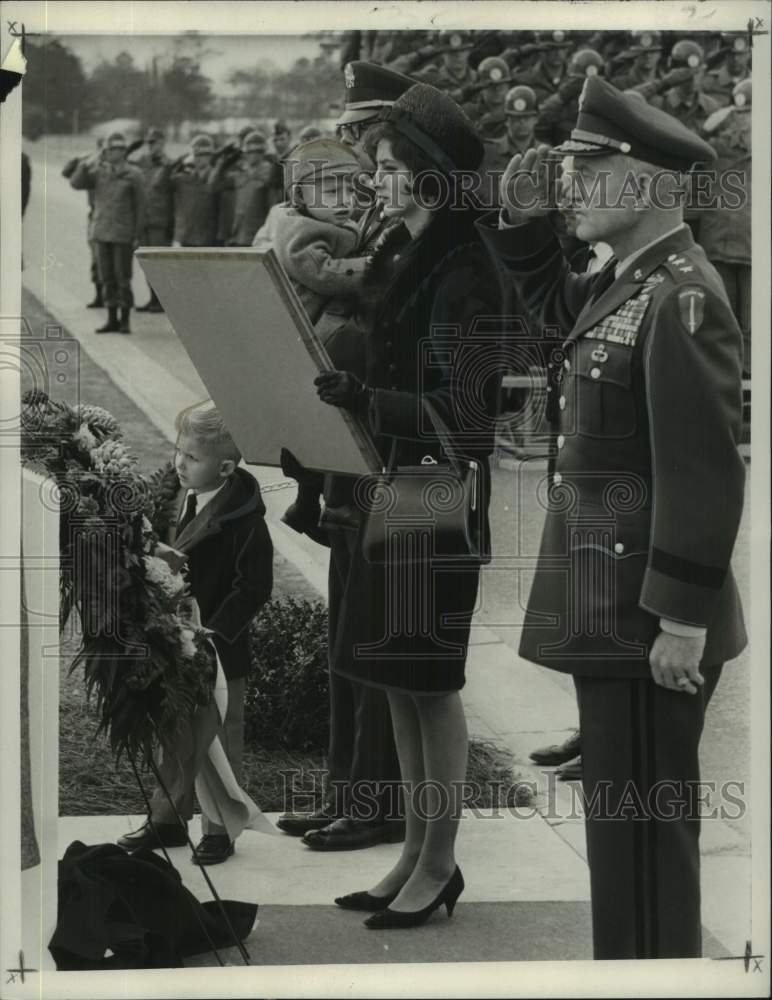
x,y
287,697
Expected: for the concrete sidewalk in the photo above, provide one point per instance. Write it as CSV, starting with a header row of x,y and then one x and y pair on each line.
x,y
527,887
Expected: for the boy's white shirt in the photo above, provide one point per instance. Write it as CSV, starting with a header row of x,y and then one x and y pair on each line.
x,y
203,498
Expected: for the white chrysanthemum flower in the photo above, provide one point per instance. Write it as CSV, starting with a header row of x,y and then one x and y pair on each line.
x,y
158,572
188,642
84,438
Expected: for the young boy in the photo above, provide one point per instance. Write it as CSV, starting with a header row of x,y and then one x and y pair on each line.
x,y
314,238
221,530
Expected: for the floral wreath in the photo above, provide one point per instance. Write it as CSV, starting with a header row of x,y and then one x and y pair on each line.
x,y
146,658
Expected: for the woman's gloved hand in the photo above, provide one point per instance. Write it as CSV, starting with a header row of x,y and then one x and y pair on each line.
x,y
342,389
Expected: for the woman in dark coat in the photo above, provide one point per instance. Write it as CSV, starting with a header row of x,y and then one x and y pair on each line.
x,y
435,337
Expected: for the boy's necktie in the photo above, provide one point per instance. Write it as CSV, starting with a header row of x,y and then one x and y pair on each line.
x,y
190,513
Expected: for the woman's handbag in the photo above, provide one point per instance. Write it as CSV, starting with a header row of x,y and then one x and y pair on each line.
x,y
425,512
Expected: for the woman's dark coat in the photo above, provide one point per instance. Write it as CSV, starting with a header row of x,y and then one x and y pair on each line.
x,y
435,333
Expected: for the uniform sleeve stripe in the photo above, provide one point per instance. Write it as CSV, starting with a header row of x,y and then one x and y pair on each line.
x,y
687,571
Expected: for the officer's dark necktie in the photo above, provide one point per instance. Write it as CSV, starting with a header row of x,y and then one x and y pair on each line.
x,y
190,513
605,279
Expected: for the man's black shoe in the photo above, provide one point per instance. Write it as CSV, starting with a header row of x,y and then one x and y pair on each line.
x,y
213,849
351,834
165,835
558,753
571,771
296,824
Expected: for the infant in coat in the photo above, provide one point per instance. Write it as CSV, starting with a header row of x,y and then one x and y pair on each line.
x,y
315,240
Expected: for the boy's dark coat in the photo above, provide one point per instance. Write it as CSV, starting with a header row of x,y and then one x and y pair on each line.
x,y
230,565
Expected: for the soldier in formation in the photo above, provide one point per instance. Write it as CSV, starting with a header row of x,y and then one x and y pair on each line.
x,y
118,223
159,212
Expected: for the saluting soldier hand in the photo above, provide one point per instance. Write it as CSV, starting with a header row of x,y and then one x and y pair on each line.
x,y
675,662
526,189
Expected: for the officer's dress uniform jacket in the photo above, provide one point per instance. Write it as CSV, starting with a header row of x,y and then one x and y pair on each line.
x,y
648,484
645,504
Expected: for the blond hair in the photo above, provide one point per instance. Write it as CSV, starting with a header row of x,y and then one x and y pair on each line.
x,y
208,428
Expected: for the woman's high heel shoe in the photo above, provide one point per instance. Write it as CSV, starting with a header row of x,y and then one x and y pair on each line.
x,y
365,902
395,918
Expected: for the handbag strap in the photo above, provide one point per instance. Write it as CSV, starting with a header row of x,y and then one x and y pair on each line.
x,y
443,434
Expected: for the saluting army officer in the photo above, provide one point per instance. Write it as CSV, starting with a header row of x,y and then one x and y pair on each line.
x,y
633,592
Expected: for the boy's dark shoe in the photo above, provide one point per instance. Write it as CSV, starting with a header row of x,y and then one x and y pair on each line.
x,y
160,835
558,753
298,824
123,327
213,849
352,834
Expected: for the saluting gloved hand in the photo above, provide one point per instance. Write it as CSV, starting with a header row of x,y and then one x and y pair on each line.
x,y
342,389
134,146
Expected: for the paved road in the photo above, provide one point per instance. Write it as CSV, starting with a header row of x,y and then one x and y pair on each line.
x,y
56,262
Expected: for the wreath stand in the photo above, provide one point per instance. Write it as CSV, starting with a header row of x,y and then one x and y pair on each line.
x,y
183,826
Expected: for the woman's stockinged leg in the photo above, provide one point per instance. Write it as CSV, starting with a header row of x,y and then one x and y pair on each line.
x,y
407,737
444,750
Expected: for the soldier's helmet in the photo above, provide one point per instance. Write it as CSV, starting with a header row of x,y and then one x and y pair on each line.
x,y
553,40
741,95
645,41
454,41
585,62
520,101
255,140
493,70
154,133
686,55
202,144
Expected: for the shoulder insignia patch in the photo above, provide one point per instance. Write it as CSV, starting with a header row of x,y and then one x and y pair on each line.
x,y
691,306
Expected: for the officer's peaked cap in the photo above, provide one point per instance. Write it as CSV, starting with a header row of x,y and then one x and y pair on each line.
x,y
116,140
611,122
434,123
370,89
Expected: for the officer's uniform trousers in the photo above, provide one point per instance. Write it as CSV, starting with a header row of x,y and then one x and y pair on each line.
x,y
640,767
363,767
